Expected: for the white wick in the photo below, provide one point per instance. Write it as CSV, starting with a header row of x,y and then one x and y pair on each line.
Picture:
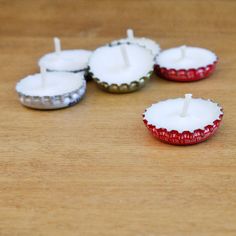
x,y
57,45
183,51
130,34
125,55
43,73
187,100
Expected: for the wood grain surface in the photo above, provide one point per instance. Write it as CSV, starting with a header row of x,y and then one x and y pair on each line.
x,y
94,169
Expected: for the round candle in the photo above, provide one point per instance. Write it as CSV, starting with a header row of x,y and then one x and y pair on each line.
x,y
121,65
169,120
65,60
51,90
185,63
185,58
141,41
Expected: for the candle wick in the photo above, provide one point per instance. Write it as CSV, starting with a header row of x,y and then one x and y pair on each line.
x,y
183,51
130,34
43,73
186,104
57,45
125,55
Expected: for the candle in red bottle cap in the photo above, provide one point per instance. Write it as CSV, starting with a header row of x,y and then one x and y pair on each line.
x,y
183,121
185,63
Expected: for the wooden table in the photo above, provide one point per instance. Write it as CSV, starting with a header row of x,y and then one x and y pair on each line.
x,y
94,169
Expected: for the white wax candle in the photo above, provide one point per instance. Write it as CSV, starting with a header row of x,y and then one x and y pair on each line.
x,y
144,42
107,64
185,58
65,60
168,114
56,83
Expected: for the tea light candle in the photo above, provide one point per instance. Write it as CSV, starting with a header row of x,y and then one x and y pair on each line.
x,y
183,121
121,68
51,90
185,63
65,60
144,42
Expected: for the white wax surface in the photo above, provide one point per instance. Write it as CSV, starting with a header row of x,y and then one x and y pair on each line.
x,y
66,60
166,114
56,83
194,59
108,65
144,42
